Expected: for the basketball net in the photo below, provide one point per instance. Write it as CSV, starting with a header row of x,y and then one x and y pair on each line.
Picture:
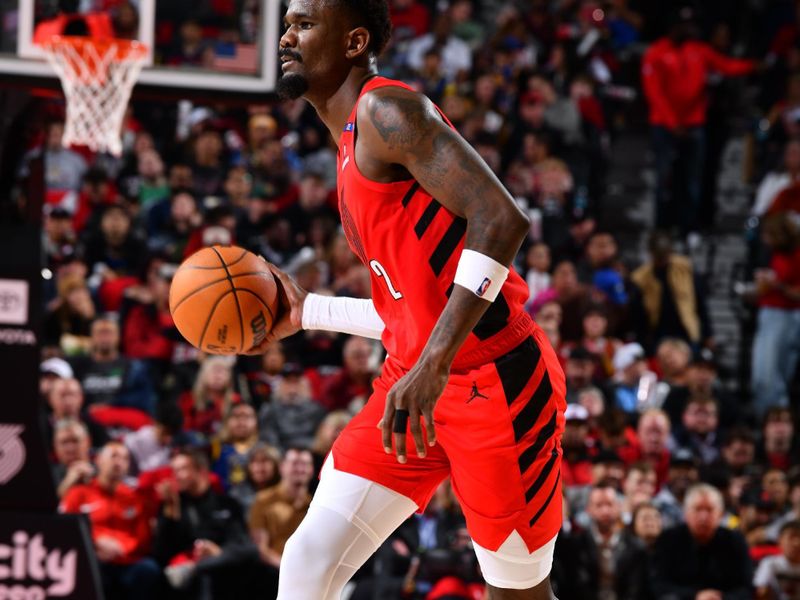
x,y
97,77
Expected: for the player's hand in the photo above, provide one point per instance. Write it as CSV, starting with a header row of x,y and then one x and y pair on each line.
x,y
417,392
291,298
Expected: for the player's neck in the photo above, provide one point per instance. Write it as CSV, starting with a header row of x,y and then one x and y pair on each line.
x,y
336,108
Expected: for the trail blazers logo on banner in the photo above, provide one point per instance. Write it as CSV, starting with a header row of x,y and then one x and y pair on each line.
x,y
12,451
13,301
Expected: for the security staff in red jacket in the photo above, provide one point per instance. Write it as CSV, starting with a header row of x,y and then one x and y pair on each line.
x,y
675,72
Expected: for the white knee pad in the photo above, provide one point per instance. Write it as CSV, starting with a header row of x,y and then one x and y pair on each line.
x,y
512,566
349,518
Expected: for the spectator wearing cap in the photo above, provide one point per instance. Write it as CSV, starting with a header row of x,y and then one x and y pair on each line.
x,y
675,72
579,371
65,401
777,446
634,384
292,417
652,443
71,449
231,450
700,559
604,560
201,536
775,352
120,529
777,577
58,236
699,429
211,396
50,371
262,472
354,381
669,299
683,473
109,378
576,469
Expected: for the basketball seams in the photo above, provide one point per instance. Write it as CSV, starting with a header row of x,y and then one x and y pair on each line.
x,y
224,264
235,296
215,282
261,300
211,315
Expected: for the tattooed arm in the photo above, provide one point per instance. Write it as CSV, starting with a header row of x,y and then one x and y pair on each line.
x,y
399,129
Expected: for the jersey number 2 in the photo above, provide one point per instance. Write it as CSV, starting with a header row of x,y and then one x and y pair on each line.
x,y
381,272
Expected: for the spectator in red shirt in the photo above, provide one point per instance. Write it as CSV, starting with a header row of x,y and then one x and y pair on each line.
x,y
576,470
120,531
410,19
775,347
354,381
675,71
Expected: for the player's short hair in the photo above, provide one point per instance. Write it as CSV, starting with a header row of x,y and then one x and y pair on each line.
x,y
374,16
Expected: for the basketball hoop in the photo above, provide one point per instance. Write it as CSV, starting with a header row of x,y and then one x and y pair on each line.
x,y
97,77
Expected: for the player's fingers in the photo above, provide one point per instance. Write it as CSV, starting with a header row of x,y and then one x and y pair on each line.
x,y
400,446
416,430
430,429
386,426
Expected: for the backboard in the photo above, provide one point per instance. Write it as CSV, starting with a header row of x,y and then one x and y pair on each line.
x,y
195,45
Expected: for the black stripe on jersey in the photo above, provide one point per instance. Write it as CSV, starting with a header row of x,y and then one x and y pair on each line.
x,y
532,410
547,501
537,485
494,319
516,368
448,244
427,217
410,193
450,290
526,458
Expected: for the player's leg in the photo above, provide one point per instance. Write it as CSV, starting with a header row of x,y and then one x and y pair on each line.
x,y
349,518
505,455
514,573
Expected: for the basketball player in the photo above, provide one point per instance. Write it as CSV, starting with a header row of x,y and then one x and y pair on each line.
x,y
471,388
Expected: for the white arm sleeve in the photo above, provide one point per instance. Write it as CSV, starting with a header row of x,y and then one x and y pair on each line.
x,y
346,315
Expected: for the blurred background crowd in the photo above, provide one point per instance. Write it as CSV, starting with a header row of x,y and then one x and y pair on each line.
x,y
680,476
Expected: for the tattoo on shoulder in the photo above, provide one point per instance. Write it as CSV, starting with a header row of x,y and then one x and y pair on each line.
x,y
399,120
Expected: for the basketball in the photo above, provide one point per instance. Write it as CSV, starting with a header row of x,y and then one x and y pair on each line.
x,y
223,300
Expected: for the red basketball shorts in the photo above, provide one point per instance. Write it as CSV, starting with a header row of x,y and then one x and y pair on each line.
x,y
498,431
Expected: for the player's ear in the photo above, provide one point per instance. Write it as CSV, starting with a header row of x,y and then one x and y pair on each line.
x,y
357,42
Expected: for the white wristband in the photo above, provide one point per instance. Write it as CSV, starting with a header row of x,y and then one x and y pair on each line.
x,y
345,315
480,274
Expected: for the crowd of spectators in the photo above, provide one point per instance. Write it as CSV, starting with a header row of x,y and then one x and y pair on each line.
x,y
195,469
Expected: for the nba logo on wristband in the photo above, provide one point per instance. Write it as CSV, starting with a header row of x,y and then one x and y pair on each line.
x,y
483,287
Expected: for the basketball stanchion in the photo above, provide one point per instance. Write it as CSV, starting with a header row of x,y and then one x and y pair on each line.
x,y
97,77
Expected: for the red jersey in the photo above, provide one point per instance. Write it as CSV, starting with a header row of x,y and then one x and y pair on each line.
x,y
411,244
119,515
